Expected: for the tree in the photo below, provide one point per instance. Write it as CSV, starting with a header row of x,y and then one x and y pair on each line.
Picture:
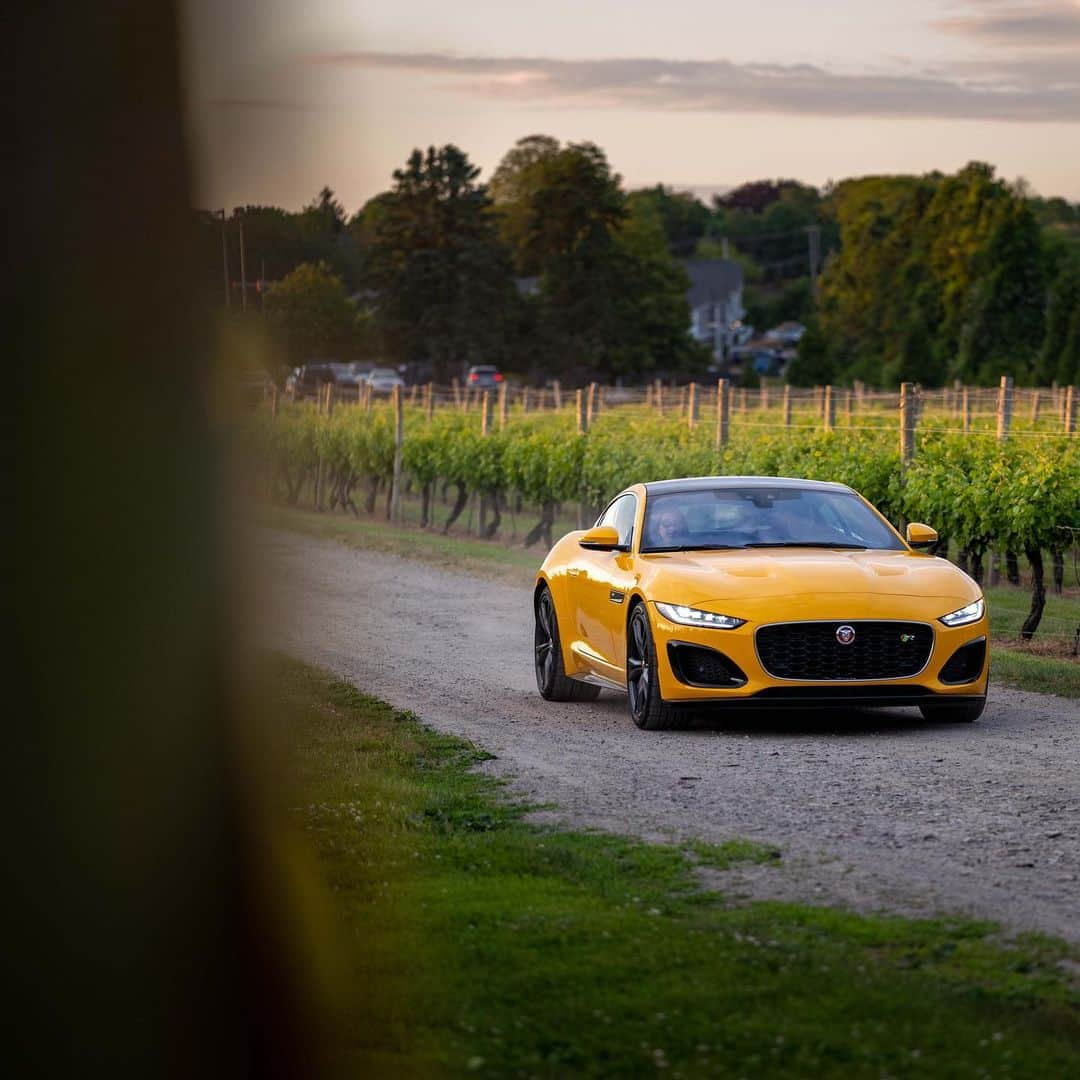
x,y
937,277
611,299
683,217
437,265
1059,357
312,311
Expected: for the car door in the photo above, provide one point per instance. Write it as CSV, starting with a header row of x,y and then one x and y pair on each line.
x,y
602,586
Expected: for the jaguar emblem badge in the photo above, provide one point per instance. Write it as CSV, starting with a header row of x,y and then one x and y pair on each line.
x,y
845,634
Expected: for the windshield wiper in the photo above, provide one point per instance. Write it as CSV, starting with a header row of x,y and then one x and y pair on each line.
x,y
692,547
806,543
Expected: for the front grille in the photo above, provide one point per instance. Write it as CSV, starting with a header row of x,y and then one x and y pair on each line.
x,y
811,651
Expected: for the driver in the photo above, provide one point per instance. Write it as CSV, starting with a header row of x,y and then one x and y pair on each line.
x,y
669,527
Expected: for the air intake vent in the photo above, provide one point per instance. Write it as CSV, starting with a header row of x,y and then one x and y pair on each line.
x,y
697,665
966,664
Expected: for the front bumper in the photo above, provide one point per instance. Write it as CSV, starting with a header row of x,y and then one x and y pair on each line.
x,y
760,688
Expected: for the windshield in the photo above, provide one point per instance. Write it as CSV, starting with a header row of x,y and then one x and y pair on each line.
x,y
752,517
383,373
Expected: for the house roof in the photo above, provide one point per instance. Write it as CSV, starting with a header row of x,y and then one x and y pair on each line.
x,y
711,280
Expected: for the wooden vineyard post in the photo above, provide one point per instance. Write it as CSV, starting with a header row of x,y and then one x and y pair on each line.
x,y
849,399
658,397
965,409
828,415
590,405
723,404
524,400
399,439
455,386
429,402
691,406
541,399
1004,407
412,393
1035,406
485,413
1070,410
787,405
502,405
907,424
556,395
579,409
763,396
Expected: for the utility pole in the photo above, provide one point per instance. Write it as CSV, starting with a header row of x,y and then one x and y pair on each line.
x,y
813,235
239,212
225,258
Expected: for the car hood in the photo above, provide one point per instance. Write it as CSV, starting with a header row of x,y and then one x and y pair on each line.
x,y
707,576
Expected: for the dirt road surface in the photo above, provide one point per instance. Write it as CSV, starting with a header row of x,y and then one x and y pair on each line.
x,y
873,810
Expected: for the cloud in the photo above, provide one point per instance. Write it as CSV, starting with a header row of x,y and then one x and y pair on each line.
x,y
268,104
984,92
1051,24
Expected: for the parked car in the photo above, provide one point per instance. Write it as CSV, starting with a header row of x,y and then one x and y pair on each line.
x,y
382,380
483,377
306,379
350,375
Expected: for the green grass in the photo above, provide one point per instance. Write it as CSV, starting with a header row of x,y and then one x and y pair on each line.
x,y
471,942
1030,671
1054,673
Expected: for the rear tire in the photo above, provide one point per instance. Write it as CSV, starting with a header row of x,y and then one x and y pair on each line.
x,y
551,678
967,713
647,708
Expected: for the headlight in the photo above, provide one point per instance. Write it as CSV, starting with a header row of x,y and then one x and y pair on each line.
x,y
963,616
688,616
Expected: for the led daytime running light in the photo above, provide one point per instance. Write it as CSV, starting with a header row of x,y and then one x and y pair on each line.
x,y
688,616
962,616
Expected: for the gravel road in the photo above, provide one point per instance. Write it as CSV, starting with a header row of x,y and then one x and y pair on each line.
x,y
873,810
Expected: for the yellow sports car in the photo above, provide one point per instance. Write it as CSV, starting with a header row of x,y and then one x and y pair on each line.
x,y
688,594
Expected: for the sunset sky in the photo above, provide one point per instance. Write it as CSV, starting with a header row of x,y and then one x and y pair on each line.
x,y
285,97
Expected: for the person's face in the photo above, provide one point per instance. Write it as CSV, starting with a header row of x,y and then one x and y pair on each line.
x,y
669,526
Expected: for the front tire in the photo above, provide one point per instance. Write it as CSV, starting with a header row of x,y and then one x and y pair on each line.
x,y
967,713
551,678
647,708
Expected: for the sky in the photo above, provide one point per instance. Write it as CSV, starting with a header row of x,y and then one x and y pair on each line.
x,y
285,97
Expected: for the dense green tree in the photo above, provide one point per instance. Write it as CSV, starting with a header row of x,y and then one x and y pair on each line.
x,y
683,217
310,309
1059,357
611,299
937,277
441,275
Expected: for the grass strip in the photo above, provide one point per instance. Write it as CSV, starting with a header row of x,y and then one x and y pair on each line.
x,y
485,945
1011,663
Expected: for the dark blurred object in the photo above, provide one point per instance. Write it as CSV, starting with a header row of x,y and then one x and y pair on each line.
x,y
144,937
483,377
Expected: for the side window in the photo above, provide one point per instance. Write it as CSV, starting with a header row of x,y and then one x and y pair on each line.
x,y
620,515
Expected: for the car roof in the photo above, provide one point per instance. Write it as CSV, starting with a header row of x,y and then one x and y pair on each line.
x,y
711,483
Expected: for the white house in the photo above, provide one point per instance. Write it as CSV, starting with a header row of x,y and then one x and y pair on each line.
x,y
715,300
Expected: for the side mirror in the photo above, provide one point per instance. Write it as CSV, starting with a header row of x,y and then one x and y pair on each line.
x,y
920,535
601,538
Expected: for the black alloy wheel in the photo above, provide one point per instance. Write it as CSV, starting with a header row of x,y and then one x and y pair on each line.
x,y
551,678
647,708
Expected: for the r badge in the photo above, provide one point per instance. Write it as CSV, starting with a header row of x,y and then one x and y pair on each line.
x,y
845,634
